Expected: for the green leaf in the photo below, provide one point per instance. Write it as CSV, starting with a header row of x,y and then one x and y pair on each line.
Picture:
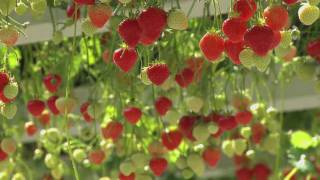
x,y
301,140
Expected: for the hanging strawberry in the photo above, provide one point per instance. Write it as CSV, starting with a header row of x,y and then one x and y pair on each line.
x,y
125,59
71,12
162,105
259,39
35,107
158,73
52,82
211,156
185,77
84,111
30,128
276,17
132,114
313,48
243,117
129,177
99,14
245,8
112,130
9,35
234,29
228,123
233,50
96,157
186,126
130,32
158,165
172,139
258,132
212,46
51,103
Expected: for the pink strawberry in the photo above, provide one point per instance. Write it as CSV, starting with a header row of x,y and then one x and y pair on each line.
x,y
158,73
162,105
158,165
51,103
234,29
125,59
113,130
233,50
259,39
185,77
245,8
130,32
132,114
96,157
36,107
30,128
9,36
52,82
212,46
44,118
276,17
171,140
211,156
99,14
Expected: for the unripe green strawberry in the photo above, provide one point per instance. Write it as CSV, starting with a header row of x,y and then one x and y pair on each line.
x,y
168,84
140,160
57,37
79,155
281,51
38,153
18,176
262,63
246,57
143,177
144,77
181,162
172,117
286,38
51,161
88,28
245,132
251,154
308,14
11,90
9,110
200,133
7,6
240,146
106,145
58,171
194,104
53,135
21,8
313,2
228,148
65,104
8,145
187,173
271,141
195,162
126,168
212,128
177,20
39,6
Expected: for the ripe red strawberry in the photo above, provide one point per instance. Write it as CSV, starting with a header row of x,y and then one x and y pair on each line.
x,y
211,156
212,46
258,132
261,171
130,32
158,165
30,128
99,14
132,176
243,117
186,126
51,103
234,29
290,2
158,73
313,48
84,2
113,130
4,80
147,39
52,82
162,105
185,77
132,114
259,39
36,107
233,50
84,111
171,140
70,12
152,21
228,123
244,174
44,118
276,17
96,157
276,39
125,58
3,155
9,36
245,8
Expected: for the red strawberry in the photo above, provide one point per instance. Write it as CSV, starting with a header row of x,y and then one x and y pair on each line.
x,y
70,12
244,117
113,130
3,155
4,99
36,107
259,39
276,39
276,17
258,132
158,73
244,174
84,2
171,140
228,123
96,157
162,105
52,82
152,21
130,32
261,172
234,29
44,118
130,177
132,114
211,156
290,2
233,50
30,128
186,126
149,38
212,46
245,8
158,165
4,80
99,14
313,48
125,58
185,77
51,103
84,112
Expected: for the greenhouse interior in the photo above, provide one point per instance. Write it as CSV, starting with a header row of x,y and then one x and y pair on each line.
x,y
160,90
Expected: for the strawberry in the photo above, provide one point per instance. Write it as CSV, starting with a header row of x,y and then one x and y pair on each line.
x,y
113,130
44,118
308,14
9,35
10,91
130,32
185,77
158,73
262,62
233,50
127,167
149,38
84,2
277,38
286,38
3,155
313,48
52,82
84,112
132,114
244,174
51,103
8,145
30,128
276,17
177,20
4,80
88,28
35,107
194,104
171,140
158,165
70,12
245,9
259,39
211,156
106,56
196,163
228,123
152,21
157,149
125,59
129,177
290,2
162,105
4,99
79,155
9,110
258,132
234,29
65,105
261,171
212,46
186,126
96,157
243,117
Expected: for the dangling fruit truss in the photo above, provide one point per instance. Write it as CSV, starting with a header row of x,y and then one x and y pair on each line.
x,y
144,91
